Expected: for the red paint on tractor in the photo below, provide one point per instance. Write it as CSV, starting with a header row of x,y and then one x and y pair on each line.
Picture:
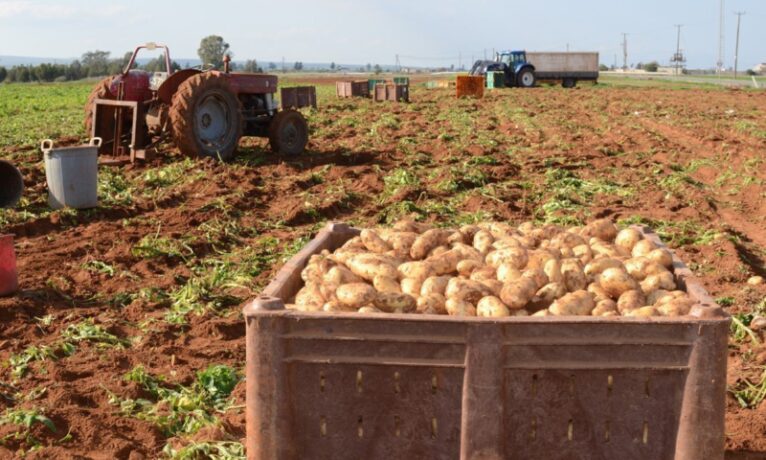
x,y
135,86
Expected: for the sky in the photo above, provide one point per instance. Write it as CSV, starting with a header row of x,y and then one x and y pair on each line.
x,y
421,32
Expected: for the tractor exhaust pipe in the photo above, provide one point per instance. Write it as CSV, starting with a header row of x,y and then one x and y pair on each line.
x,y
11,185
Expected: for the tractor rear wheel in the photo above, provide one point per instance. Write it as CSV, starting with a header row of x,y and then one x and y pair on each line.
x,y
100,91
526,78
288,133
569,83
206,117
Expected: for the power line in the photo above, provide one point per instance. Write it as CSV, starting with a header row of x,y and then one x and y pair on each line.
x,y
736,49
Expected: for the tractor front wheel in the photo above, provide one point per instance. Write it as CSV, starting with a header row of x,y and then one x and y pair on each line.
x,y
206,117
526,78
569,83
288,133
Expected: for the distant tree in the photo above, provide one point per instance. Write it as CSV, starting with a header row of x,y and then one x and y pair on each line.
x,y
3,73
96,63
369,67
212,49
332,66
298,66
158,65
603,67
251,66
651,66
74,71
378,69
452,67
272,66
750,72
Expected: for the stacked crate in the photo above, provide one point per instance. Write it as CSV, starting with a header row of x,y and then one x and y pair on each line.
x,y
352,88
468,86
391,92
495,80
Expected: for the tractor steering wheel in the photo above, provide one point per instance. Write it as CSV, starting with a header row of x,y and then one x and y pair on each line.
x,y
204,67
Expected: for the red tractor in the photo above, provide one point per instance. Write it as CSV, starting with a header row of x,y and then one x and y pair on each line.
x,y
204,112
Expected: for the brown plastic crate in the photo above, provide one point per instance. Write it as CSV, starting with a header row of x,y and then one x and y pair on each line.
x,y
391,92
391,386
352,88
470,86
296,97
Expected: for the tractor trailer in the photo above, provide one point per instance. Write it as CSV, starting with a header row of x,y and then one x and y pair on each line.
x,y
526,69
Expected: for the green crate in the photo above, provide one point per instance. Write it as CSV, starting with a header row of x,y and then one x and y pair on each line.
x,y
371,84
402,81
495,80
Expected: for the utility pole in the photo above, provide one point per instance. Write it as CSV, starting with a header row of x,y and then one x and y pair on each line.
x,y
721,30
624,52
283,64
736,49
678,57
567,47
459,60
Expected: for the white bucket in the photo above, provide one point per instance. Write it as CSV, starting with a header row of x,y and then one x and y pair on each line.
x,y
72,174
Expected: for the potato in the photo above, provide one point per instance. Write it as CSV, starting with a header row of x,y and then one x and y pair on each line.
x,y
605,306
401,242
538,258
482,241
340,275
572,275
583,252
316,268
491,306
567,240
434,285
541,313
374,242
603,229
354,243
463,289
552,269
458,237
661,256
643,248
467,252
518,293
457,307
485,273
469,230
507,243
427,241
334,306
526,227
310,294
369,309
605,249
445,262
411,286
418,270
437,251
550,292
578,303
494,286
356,295
653,296
368,266
596,267
642,312
598,292
675,307
637,267
664,280
615,281
386,284
517,257
432,304
507,272
390,302
630,300
467,266
627,238
538,276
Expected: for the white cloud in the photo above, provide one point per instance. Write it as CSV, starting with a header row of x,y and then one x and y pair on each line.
x,y
47,10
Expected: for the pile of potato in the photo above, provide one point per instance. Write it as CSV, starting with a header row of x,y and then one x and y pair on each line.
x,y
494,269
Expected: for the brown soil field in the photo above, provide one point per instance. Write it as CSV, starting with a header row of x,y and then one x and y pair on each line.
x,y
155,277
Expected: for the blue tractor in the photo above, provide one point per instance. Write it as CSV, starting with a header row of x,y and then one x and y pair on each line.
x,y
518,72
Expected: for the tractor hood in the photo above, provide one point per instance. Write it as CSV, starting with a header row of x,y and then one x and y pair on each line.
x,y
481,67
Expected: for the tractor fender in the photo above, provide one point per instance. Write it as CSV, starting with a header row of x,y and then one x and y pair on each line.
x,y
169,87
524,67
